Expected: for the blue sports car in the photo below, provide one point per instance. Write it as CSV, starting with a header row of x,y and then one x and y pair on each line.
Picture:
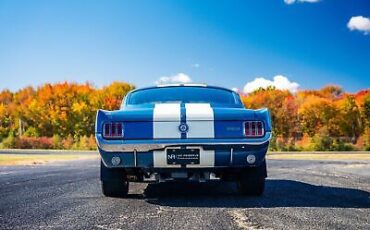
x,y
190,132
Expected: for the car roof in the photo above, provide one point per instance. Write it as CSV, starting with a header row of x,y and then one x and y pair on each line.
x,y
183,85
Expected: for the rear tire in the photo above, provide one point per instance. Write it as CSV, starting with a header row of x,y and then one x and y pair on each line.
x,y
115,188
252,180
113,181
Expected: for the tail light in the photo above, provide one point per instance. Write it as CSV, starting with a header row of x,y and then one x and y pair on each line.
x,y
113,130
254,129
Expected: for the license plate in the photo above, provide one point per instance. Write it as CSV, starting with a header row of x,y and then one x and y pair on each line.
x,y
182,156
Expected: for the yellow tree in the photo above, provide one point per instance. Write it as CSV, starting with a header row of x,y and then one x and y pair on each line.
x,y
6,107
113,94
282,106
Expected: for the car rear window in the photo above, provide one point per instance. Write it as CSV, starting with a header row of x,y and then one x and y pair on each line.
x,y
183,95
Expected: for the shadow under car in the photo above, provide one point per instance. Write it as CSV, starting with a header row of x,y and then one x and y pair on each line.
x,y
278,193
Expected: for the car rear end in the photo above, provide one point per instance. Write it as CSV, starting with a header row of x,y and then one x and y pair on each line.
x,y
182,141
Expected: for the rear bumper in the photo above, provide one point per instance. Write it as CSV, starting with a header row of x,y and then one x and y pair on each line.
x,y
212,157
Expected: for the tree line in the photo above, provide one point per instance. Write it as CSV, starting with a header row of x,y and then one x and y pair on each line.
x,y
324,119
62,116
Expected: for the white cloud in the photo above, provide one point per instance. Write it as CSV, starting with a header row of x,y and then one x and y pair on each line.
x,y
279,82
359,23
289,2
196,65
178,78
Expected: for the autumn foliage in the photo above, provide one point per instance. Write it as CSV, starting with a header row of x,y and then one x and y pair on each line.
x,y
325,119
62,116
56,116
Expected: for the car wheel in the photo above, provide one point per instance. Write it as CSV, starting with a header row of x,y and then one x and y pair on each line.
x,y
115,188
252,180
114,181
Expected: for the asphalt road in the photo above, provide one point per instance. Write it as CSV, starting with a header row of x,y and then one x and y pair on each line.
x,y
299,195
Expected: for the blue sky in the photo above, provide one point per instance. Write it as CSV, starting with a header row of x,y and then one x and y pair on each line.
x,y
225,43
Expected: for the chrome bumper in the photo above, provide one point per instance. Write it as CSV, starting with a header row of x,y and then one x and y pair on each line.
x,y
150,145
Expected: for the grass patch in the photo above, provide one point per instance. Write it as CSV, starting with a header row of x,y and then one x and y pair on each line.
x,y
32,159
319,156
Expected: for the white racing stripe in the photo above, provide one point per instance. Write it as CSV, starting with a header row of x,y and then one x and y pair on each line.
x,y
166,119
200,119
